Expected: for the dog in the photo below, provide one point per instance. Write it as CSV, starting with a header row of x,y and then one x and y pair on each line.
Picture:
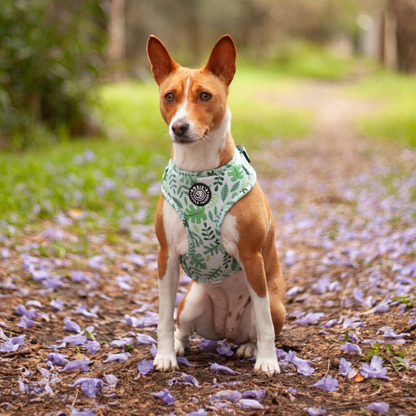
x,y
214,219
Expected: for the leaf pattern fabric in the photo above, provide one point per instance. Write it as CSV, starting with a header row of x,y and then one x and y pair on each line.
x,y
206,259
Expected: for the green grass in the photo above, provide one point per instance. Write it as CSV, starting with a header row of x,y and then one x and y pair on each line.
x,y
39,184
396,119
306,60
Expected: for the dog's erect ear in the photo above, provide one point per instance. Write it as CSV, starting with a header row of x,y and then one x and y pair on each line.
x,y
222,59
162,63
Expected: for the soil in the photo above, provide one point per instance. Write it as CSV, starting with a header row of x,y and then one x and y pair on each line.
x,y
307,181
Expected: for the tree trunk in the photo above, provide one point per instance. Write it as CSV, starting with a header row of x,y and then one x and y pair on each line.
x,y
405,12
116,34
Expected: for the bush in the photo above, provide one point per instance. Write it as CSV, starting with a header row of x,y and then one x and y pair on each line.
x,y
49,66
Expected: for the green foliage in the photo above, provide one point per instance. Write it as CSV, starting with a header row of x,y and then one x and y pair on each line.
x,y
374,351
347,336
395,120
407,300
49,64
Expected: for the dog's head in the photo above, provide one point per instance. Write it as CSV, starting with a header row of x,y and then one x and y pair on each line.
x,y
193,102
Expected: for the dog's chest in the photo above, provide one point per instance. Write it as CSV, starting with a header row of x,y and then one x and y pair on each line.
x,y
230,298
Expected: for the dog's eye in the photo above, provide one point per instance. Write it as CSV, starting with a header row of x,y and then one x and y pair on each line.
x,y
205,96
169,97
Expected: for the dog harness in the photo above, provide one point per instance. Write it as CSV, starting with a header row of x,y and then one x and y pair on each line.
x,y
202,199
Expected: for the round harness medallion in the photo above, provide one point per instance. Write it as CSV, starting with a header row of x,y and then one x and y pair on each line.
x,y
199,194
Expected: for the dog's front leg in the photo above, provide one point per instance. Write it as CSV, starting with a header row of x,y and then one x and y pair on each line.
x,y
253,267
165,359
173,243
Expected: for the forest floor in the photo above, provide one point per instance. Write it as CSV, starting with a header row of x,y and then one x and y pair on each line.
x,y
345,212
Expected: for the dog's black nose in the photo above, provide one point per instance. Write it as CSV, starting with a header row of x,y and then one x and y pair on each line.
x,y
180,127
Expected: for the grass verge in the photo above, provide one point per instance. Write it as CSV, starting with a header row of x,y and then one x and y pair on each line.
x,y
396,119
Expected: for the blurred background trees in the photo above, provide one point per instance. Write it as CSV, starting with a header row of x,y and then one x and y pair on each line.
x,y
54,53
50,60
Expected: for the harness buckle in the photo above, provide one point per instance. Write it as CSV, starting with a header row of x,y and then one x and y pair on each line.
x,y
244,152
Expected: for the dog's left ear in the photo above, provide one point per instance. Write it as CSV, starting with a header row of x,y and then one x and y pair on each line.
x,y
222,59
162,63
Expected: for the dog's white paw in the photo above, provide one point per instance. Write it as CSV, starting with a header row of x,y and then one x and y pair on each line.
x,y
165,362
180,347
269,366
247,350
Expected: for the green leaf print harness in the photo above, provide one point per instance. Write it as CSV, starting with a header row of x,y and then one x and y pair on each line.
x,y
202,199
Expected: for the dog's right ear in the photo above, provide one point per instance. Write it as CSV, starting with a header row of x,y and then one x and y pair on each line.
x,y
162,63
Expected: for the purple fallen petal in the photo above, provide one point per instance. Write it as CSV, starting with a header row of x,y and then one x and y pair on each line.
x,y
310,318
351,348
377,362
82,309
292,391
71,326
20,340
131,320
57,358
166,396
345,367
330,323
353,337
217,368
246,403
53,234
90,387
389,333
185,279
184,361
145,366
305,369
121,342
200,412
229,395
8,346
368,371
255,394
93,347
123,356
26,323
145,339
302,365
95,262
379,407
206,343
294,291
111,380
225,350
316,411
328,384
136,259
79,276
75,339
153,350
21,310
78,365
188,379
57,304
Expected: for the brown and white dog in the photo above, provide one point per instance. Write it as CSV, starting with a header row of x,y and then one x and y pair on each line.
x,y
245,308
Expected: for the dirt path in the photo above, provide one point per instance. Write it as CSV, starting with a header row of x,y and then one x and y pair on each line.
x,y
345,212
